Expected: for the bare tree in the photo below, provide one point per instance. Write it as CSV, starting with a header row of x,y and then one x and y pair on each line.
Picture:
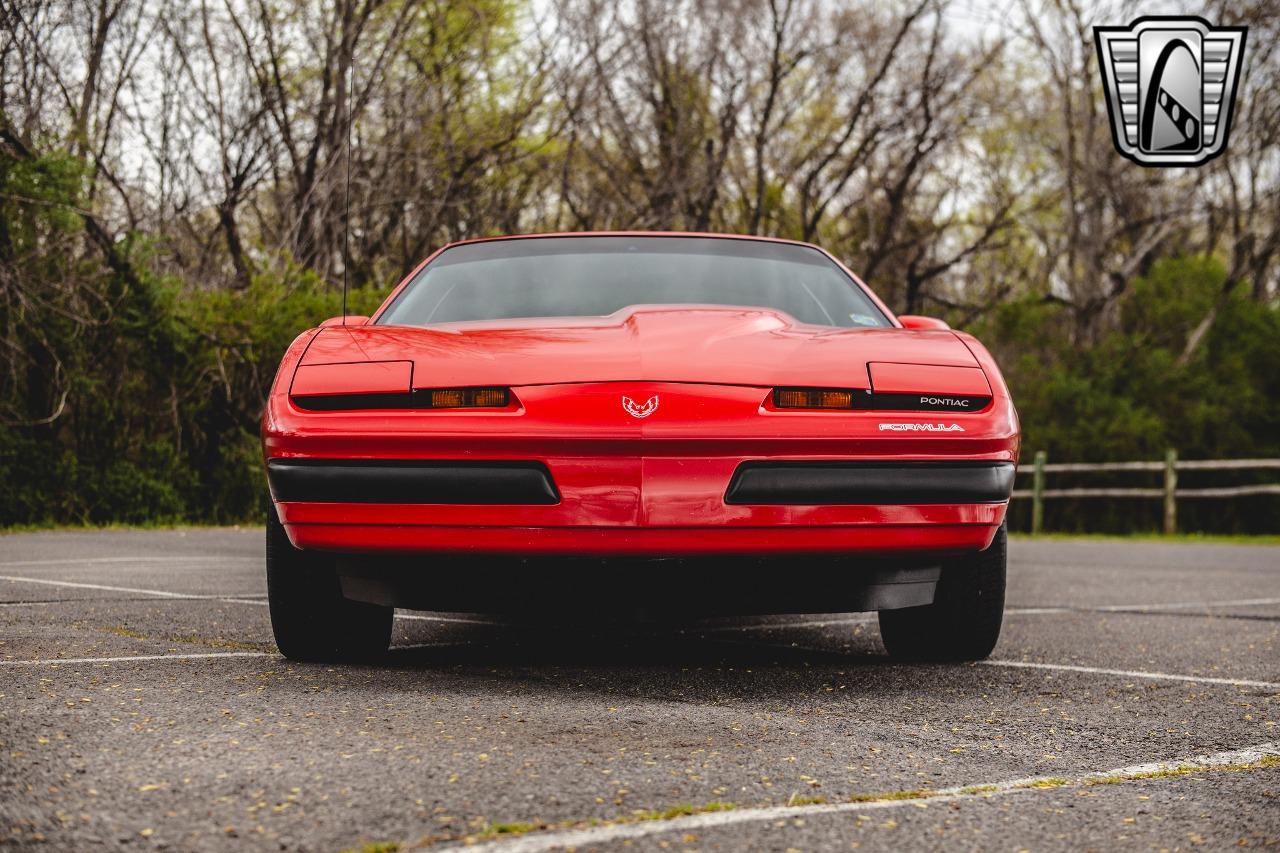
x,y
1242,193
654,99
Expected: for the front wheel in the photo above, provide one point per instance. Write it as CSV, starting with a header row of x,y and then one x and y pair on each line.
x,y
310,618
963,623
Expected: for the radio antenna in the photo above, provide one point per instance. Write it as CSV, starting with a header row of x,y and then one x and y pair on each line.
x,y
346,196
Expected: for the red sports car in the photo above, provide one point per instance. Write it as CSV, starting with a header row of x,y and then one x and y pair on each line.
x,y
685,423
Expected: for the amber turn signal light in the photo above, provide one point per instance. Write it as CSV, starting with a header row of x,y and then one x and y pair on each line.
x,y
467,398
813,398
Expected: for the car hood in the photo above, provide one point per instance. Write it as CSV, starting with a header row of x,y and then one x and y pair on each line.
x,y
702,344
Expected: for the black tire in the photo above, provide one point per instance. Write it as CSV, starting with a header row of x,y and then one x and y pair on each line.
x,y
309,616
963,623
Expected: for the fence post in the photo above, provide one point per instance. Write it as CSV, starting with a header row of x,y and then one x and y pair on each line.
x,y
1170,492
1037,492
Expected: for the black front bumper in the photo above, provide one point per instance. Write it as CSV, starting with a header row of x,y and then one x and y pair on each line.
x,y
411,482
850,483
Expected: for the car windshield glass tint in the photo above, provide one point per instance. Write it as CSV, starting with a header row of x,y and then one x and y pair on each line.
x,y
596,276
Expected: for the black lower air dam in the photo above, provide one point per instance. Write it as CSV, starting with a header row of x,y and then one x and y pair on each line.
x,y
852,483
411,482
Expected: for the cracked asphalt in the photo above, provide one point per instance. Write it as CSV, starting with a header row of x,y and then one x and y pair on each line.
x,y
143,706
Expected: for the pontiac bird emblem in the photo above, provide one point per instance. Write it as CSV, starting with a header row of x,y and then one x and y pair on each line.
x,y
650,406
1170,84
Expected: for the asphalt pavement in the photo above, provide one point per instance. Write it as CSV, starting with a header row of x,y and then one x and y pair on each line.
x,y
1131,704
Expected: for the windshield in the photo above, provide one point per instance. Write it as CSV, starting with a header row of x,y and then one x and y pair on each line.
x,y
596,276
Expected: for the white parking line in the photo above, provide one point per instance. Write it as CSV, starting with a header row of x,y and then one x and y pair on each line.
x,y
539,842
102,587
79,561
1127,673
230,599
191,656
1062,667
1186,605
133,658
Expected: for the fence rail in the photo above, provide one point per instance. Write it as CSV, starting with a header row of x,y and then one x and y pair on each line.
x,y
1188,465
1170,492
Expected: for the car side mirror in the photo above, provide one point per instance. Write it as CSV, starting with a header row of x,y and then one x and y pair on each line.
x,y
351,320
915,321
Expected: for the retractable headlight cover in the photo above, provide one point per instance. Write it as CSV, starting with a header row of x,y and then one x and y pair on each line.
x,y
383,385
898,388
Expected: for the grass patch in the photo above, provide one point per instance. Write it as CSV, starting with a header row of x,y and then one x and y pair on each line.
x,y
681,810
1054,782
890,795
376,847
513,828
1107,780
979,789
1267,761
1168,772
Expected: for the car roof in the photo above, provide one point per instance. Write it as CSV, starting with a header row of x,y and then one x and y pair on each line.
x,y
705,234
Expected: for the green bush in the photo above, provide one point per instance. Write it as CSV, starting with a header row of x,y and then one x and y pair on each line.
x,y
155,388
1124,397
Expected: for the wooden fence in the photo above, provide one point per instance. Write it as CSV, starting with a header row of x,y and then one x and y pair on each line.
x,y
1170,493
